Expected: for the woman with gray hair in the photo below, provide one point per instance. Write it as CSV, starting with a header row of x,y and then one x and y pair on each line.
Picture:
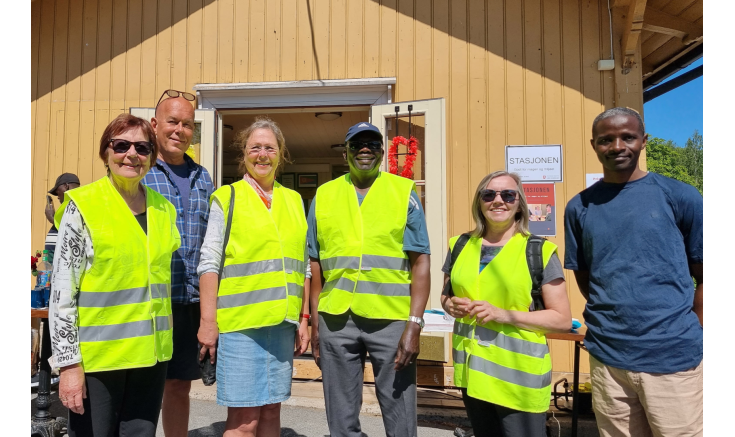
x,y
254,294
501,359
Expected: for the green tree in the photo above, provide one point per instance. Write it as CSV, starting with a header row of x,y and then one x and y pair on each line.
x,y
681,163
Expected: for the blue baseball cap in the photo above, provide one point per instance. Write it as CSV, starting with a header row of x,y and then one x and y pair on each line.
x,y
363,126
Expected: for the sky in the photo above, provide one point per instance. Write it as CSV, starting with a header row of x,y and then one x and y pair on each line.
x,y
676,114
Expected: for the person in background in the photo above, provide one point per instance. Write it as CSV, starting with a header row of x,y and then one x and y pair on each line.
x,y
634,242
501,359
64,183
254,318
110,313
368,242
187,186
549,215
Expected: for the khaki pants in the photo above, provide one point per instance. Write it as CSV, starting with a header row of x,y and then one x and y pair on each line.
x,y
628,403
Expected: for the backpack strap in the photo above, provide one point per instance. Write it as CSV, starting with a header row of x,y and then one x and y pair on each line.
x,y
227,230
535,260
458,246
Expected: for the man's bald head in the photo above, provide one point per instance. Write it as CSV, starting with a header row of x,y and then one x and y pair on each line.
x,y
174,126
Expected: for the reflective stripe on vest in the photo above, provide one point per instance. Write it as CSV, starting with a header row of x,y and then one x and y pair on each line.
x,y
263,277
365,268
124,298
498,363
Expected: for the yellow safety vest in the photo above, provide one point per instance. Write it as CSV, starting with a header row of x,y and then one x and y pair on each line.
x,y
500,363
124,298
262,281
361,248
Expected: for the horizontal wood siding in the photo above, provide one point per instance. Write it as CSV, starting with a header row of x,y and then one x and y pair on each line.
x,y
511,71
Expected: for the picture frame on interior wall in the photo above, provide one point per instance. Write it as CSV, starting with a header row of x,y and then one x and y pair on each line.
x,y
308,180
288,180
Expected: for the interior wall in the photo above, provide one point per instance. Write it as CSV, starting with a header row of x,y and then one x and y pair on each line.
x,y
512,72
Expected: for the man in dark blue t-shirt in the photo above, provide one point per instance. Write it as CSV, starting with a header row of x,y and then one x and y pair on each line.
x,y
634,241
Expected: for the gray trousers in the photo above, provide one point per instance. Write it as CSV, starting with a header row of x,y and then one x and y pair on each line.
x,y
343,343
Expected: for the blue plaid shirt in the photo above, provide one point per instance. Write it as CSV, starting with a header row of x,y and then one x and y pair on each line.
x,y
192,226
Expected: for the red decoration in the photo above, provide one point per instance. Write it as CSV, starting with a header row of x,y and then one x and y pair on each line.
x,y
412,146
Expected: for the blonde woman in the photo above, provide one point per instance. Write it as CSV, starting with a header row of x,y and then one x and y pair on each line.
x,y
501,359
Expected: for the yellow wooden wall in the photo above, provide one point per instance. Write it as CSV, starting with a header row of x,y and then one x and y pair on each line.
x,y
512,72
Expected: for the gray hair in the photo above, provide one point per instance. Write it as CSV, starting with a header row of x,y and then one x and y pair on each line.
x,y
262,122
521,215
618,111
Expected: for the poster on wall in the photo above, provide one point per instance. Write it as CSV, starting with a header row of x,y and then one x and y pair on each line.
x,y
592,178
542,163
541,199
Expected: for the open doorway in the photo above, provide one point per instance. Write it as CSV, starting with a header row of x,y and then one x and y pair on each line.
x,y
314,143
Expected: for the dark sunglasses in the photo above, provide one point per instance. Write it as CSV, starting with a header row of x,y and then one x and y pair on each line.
x,y
359,145
507,196
122,146
174,94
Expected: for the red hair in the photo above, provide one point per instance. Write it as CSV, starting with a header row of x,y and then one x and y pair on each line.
x,y
123,123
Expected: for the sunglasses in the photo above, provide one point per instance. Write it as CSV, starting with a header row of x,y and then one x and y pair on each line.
x,y
507,196
121,146
174,94
359,145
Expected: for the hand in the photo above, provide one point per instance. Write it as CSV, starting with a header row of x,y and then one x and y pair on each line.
x,y
207,336
457,307
73,388
315,341
486,312
408,346
301,342
50,212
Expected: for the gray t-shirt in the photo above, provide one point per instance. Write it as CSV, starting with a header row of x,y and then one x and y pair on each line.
x,y
552,271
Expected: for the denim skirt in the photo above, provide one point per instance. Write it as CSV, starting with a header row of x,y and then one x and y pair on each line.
x,y
254,366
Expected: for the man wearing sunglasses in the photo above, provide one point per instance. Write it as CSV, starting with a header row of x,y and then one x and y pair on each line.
x,y
187,186
369,254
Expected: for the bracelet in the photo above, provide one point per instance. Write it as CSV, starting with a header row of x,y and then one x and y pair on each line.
x,y
306,316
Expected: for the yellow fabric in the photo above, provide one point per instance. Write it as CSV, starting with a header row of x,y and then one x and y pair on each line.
x,y
124,298
265,260
500,363
361,248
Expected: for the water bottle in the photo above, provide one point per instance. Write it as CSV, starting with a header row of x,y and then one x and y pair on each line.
x,y
44,278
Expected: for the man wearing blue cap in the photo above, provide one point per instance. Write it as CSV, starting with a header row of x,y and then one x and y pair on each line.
x,y
369,253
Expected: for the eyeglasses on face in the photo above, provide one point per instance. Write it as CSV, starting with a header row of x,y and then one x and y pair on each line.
x,y
257,149
174,94
121,146
507,196
359,145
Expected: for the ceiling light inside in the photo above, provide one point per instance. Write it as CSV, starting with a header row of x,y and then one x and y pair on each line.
x,y
328,116
338,147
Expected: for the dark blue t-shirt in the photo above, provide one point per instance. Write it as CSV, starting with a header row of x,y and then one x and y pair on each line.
x,y
180,177
637,240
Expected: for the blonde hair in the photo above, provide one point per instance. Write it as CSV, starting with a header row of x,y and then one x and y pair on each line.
x,y
521,218
262,122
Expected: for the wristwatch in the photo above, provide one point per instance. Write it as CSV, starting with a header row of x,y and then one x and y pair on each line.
x,y
418,320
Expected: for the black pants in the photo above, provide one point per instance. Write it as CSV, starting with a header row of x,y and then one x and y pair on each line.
x,y
492,420
123,403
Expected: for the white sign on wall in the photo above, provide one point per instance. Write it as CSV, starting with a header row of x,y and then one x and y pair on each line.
x,y
593,177
542,163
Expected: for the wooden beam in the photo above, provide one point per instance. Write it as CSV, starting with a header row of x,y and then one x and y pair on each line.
x,y
632,32
619,3
661,22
